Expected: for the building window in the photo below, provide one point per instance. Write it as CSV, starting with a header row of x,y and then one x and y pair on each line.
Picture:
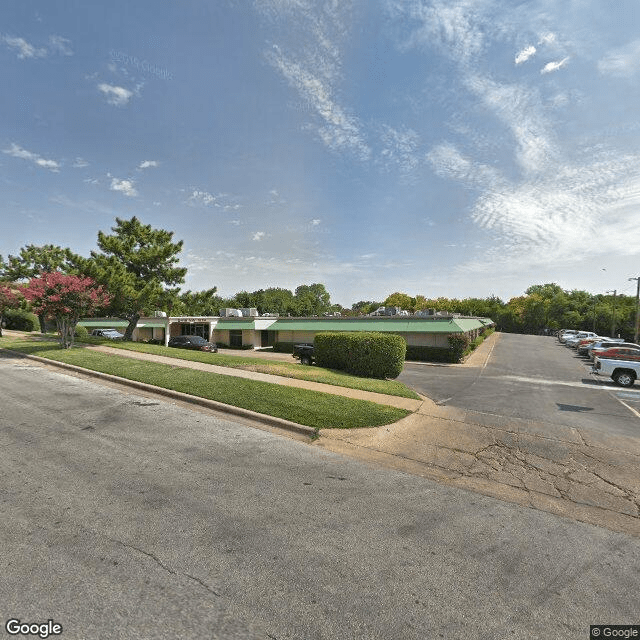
x,y
235,337
201,330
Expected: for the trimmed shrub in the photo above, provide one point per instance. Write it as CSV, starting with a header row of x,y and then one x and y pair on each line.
x,y
21,320
244,347
458,343
365,354
81,332
429,354
283,347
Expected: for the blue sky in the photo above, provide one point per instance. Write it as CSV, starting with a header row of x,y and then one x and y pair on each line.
x,y
437,147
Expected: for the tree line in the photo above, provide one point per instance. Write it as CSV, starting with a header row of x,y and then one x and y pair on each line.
x,y
137,266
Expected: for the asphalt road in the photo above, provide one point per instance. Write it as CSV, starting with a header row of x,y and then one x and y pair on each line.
x,y
124,516
532,378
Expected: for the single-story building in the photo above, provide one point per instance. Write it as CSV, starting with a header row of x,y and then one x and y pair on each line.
x,y
283,333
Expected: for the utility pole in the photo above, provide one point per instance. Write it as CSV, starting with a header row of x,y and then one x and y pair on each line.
x,y
635,332
613,317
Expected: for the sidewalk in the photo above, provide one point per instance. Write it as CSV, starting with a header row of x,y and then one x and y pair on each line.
x,y
394,401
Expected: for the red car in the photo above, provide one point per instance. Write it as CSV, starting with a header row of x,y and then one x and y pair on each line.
x,y
620,353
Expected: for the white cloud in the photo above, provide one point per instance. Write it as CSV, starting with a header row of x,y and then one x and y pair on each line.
x,y
202,198
223,201
80,163
118,96
455,26
525,54
339,131
23,49
400,147
520,108
449,162
146,164
313,68
315,222
18,152
550,67
624,62
258,235
58,44
126,187
544,220
548,38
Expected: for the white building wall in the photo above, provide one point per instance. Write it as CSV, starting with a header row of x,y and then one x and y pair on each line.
x,y
221,336
427,339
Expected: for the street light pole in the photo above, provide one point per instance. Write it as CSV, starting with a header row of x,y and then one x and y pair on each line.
x,y
635,332
613,317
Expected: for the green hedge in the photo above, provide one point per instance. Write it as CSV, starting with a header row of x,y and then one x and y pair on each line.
x,y
223,345
458,344
430,354
365,354
284,347
81,332
21,320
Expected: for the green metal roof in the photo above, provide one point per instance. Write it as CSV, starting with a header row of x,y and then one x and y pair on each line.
x,y
392,325
235,325
107,323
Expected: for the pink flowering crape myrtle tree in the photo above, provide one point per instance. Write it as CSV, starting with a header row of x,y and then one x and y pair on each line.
x,y
67,298
9,298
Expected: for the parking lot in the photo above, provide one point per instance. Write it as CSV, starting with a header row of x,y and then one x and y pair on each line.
x,y
533,378
527,423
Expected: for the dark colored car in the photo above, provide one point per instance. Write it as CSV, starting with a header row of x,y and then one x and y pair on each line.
x,y
304,353
193,342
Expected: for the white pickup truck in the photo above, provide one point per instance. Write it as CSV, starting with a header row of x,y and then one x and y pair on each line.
x,y
623,372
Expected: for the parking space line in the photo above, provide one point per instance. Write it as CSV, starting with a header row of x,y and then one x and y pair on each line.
x,y
628,407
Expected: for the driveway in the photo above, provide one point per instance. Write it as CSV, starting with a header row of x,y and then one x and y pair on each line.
x,y
527,424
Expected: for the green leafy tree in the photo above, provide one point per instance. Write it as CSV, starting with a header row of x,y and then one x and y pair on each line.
x,y
10,298
198,303
137,265
312,299
246,300
402,300
34,260
67,298
364,307
276,300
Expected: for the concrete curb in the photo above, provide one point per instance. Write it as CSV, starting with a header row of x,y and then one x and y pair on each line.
x,y
271,421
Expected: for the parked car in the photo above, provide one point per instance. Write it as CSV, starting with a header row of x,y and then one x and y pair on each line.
x,y
595,352
603,343
620,353
572,341
193,342
111,334
622,372
584,344
304,353
563,334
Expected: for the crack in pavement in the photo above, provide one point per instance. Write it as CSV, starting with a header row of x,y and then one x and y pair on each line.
x,y
567,479
167,568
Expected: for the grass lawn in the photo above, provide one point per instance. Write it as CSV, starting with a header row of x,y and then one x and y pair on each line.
x,y
289,370
311,408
